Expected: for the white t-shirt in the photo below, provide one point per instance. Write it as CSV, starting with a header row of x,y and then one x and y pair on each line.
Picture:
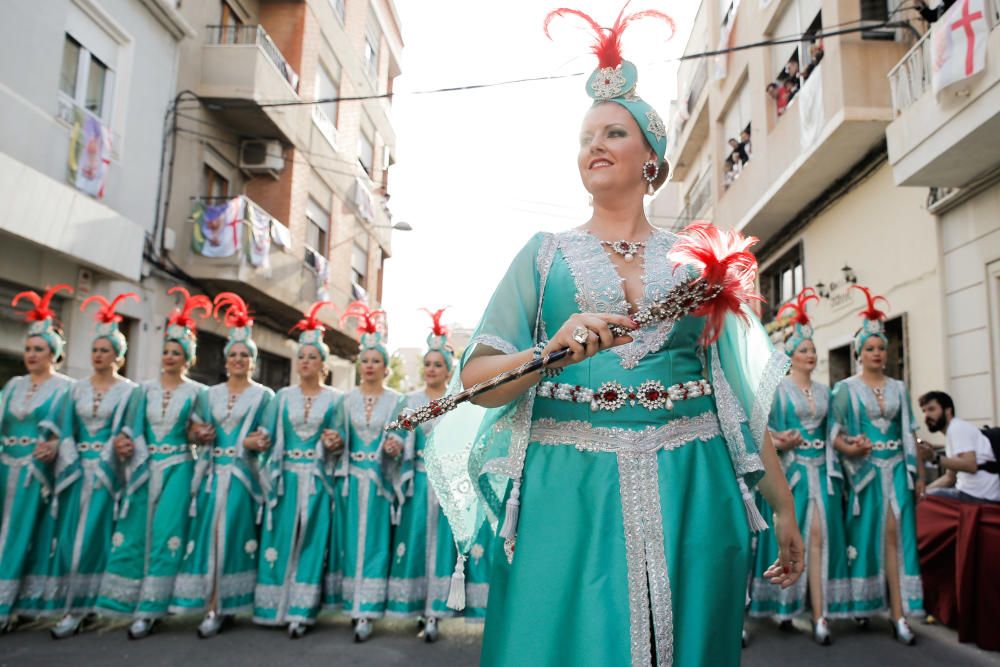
x,y
964,437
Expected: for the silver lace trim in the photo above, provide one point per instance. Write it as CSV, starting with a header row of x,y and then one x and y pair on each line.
x,y
821,398
296,410
83,403
218,401
586,437
18,404
496,342
284,598
772,375
365,591
370,430
160,422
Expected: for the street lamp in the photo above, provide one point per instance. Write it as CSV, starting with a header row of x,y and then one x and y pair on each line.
x,y
399,227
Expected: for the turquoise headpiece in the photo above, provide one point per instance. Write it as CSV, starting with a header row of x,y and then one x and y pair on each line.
x,y
372,327
801,327
437,339
181,326
873,324
108,319
41,318
238,320
615,78
312,330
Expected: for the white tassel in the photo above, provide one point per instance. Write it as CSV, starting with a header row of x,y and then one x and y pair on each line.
x,y
857,506
193,507
456,593
512,512
754,518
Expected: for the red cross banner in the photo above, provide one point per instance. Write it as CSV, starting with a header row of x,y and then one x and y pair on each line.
x,y
958,43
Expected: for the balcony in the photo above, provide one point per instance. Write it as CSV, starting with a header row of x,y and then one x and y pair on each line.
x,y
837,119
242,70
693,130
952,138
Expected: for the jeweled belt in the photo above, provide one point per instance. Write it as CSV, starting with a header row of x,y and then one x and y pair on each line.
x,y
812,444
364,456
23,440
611,396
169,449
89,446
889,446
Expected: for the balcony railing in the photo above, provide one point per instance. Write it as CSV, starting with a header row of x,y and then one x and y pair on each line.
x,y
698,81
254,35
701,194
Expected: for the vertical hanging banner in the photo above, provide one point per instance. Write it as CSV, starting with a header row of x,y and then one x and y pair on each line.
x,y
218,228
259,246
89,154
958,44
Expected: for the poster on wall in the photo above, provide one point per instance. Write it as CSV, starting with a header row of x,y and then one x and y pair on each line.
x,y
89,154
218,228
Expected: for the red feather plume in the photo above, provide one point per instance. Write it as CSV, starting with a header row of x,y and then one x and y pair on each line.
x,y
41,310
183,315
106,313
608,41
237,312
369,321
437,328
799,306
309,322
871,312
723,259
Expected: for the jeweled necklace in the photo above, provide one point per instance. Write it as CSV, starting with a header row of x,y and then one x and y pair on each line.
x,y
627,249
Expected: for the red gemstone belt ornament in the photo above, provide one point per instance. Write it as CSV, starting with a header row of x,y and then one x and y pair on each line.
x,y
612,395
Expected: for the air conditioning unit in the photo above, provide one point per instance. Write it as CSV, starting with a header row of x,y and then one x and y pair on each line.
x,y
260,156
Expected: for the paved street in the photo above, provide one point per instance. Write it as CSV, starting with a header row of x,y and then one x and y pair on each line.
x,y
175,644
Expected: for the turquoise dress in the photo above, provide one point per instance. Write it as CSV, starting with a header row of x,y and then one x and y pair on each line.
x,y
611,557
879,483
150,535
478,569
86,487
817,483
423,548
372,485
225,507
299,494
27,527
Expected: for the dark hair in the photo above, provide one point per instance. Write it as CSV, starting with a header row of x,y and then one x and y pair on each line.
x,y
770,86
943,399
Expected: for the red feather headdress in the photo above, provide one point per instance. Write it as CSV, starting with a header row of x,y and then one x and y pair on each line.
x,y
41,305
725,263
608,41
183,315
871,312
237,313
106,313
437,328
369,321
310,322
799,306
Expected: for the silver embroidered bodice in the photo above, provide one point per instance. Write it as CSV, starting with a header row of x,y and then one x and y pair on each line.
x,y
369,431
83,403
182,403
218,401
821,398
295,409
21,407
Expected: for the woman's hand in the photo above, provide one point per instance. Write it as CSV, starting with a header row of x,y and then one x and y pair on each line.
x,y
332,441
393,446
859,446
791,553
45,451
124,447
257,441
599,336
201,434
786,440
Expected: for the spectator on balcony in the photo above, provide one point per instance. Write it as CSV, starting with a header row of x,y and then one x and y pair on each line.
x,y
792,78
737,149
969,463
728,176
779,95
815,56
932,15
745,143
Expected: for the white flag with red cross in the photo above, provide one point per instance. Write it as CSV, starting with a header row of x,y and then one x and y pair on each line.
x,y
958,43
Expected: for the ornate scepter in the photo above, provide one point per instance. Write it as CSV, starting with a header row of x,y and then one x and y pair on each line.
x,y
726,272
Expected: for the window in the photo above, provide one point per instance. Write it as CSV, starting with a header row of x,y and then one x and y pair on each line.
x,y
793,62
317,227
272,370
231,24
85,79
211,366
841,363
216,185
359,262
781,281
371,47
736,135
338,9
327,87
725,11
366,152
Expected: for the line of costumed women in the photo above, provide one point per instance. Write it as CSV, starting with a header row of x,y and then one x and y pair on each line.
x,y
27,526
874,426
599,472
156,465
800,429
304,424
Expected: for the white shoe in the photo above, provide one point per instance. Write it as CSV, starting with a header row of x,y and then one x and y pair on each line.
x,y
211,625
431,630
902,631
141,628
821,632
362,630
297,630
67,627
745,638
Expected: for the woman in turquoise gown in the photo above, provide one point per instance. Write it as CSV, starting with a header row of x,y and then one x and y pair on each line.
x,y
602,477
92,419
799,428
423,548
874,426
219,570
305,424
372,471
156,467
27,527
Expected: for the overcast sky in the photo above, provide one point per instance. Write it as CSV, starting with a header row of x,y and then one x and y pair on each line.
x,y
479,171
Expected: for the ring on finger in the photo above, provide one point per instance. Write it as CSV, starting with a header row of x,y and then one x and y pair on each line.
x,y
581,335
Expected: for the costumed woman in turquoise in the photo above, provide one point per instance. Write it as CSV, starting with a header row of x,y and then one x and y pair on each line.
x,y
800,431
156,466
85,480
305,424
219,570
874,429
423,552
373,491
27,528
601,476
